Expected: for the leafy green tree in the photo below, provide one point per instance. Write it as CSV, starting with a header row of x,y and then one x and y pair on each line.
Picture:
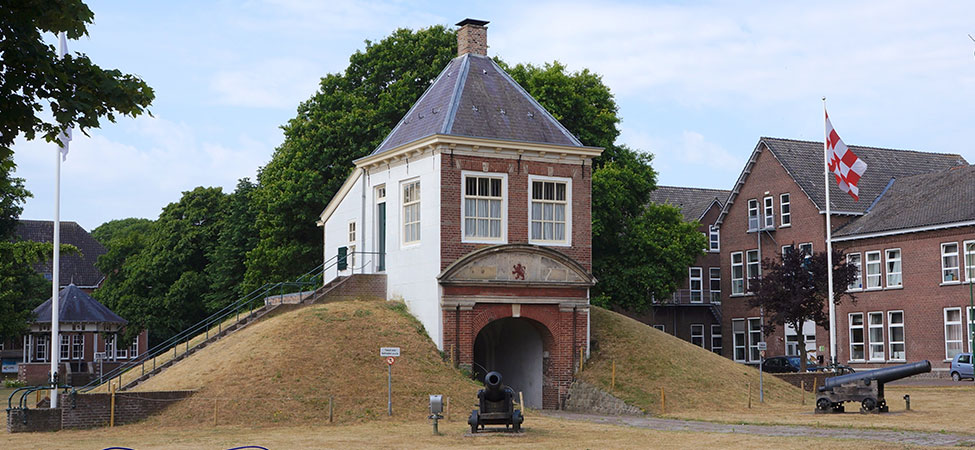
x,y
21,288
793,289
109,232
237,236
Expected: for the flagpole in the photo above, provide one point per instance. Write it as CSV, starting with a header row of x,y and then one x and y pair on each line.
x,y
829,243
55,347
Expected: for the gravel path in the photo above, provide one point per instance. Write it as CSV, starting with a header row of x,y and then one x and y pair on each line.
x,y
896,437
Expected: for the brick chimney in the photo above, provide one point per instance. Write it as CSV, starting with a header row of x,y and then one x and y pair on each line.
x,y
472,37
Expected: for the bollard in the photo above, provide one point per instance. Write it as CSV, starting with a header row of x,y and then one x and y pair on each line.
x,y
907,401
663,401
749,387
330,398
612,383
802,390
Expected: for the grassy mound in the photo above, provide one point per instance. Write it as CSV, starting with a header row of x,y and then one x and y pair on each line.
x,y
693,378
286,368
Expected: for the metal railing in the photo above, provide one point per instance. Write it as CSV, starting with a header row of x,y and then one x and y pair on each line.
x,y
27,390
689,297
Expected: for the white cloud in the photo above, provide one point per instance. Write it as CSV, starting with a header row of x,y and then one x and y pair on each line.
x,y
272,83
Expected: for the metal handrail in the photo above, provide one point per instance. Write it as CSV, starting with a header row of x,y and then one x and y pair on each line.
x,y
22,403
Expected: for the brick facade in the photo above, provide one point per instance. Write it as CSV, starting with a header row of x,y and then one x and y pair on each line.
x,y
93,410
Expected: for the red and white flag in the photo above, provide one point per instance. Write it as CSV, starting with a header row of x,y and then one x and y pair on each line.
x,y
845,165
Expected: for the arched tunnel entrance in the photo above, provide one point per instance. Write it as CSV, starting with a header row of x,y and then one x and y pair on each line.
x,y
515,347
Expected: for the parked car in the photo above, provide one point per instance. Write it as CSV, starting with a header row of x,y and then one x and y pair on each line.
x,y
961,367
786,364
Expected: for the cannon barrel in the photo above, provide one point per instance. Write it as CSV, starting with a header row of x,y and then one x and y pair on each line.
x,y
494,390
884,375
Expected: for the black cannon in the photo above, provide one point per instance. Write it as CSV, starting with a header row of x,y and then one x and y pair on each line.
x,y
864,387
496,406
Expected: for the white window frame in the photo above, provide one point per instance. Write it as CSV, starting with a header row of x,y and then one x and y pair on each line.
x,y
769,212
969,247
945,269
900,263
871,344
753,215
407,204
714,239
714,294
567,242
699,279
738,284
716,334
786,249
757,264
857,284
353,229
863,338
754,337
503,238
877,264
890,335
792,339
134,348
78,343
961,331
803,248
41,347
661,328
739,340
65,347
698,335
785,210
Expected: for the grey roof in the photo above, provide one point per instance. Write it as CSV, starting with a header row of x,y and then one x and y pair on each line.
x,y
75,268
474,97
74,305
931,199
804,161
693,202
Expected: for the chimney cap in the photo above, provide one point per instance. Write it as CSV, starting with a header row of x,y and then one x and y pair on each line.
x,y
475,22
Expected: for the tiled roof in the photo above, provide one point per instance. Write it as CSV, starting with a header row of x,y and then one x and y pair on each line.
x,y
804,161
74,305
693,202
474,97
75,268
930,199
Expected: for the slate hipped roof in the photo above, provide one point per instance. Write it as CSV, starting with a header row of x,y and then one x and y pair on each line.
x,y
927,200
693,202
474,97
75,268
74,305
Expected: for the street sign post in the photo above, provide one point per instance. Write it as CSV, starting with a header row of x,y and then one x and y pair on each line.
x,y
762,346
390,353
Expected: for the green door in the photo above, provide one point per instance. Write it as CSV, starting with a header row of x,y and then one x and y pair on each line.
x,y
381,230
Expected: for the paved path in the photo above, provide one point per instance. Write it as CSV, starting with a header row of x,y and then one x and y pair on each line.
x,y
895,437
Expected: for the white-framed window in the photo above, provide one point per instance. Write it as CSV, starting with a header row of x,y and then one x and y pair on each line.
x,y
714,239
873,270
696,284
954,335
856,337
65,347
352,241
949,263
895,332
40,347
110,347
380,193
550,210
875,332
352,231
969,261
78,346
753,268
853,259
738,336
123,353
737,274
786,250
894,278
769,212
716,338
752,214
806,249
714,284
785,210
411,212
792,338
660,327
754,337
484,206
134,348
697,334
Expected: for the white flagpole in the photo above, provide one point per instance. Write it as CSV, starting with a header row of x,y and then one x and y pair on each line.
x,y
829,244
55,346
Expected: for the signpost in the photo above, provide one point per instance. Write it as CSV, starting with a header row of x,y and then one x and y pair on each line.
x,y
762,347
390,353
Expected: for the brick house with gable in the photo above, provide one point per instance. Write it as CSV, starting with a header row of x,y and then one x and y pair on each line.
x,y
778,201
476,211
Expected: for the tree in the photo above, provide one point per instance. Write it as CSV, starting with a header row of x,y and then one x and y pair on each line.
x,y
33,78
237,236
794,289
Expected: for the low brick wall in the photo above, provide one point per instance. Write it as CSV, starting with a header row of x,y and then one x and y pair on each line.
x,y
585,397
37,420
93,410
809,379
358,287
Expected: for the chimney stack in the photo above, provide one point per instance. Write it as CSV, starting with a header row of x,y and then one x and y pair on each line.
x,y
472,37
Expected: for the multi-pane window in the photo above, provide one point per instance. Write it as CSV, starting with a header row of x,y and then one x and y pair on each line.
x,y
853,259
949,263
351,254
895,332
792,338
787,250
411,212
752,269
134,348
769,213
894,268
714,238
754,337
785,210
954,337
752,214
969,261
352,231
714,280
548,211
40,347
697,334
856,337
78,346
696,284
875,332
716,339
738,335
65,347
737,274
873,270
806,249
482,207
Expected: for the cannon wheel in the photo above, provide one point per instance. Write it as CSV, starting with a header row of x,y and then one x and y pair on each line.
x,y
473,421
516,420
868,404
823,404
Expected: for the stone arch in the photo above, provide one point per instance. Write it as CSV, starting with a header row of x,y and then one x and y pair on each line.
x,y
518,348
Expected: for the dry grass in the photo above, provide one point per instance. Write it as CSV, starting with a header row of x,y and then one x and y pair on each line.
x,y
284,369
693,379
541,432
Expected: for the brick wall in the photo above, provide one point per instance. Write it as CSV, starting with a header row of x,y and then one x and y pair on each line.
x,y
93,410
585,397
36,420
359,287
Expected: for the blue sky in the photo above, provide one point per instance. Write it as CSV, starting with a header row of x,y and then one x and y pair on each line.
x,y
697,84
